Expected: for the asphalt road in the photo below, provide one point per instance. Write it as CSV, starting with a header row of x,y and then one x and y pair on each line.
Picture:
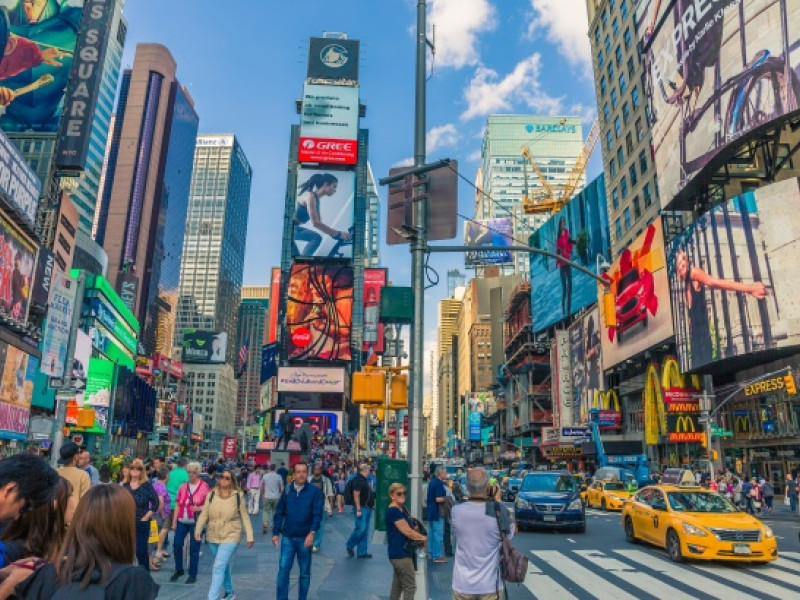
x,y
601,564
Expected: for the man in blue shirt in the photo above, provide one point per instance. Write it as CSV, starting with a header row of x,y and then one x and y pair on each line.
x,y
436,495
284,473
297,518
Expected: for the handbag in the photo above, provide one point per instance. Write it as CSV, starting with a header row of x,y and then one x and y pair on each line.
x,y
153,537
513,564
411,546
786,501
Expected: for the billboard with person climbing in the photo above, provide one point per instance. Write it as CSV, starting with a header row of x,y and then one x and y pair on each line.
x,y
733,277
323,214
578,233
715,72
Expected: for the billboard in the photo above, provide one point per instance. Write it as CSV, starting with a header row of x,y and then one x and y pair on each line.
x,y
325,380
59,322
715,71
476,407
374,281
323,214
274,305
319,309
19,185
578,232
332,58
39,40
329,125
488,233
201,346
635,307
17,268
587,362
16,392
84,85
45,270
733,277
320,422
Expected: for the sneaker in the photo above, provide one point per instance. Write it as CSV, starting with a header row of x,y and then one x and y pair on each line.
x,y
176,575
315,549
365,556
229,596
191,580
350,552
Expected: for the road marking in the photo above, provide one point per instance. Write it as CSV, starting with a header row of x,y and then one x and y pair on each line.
x,y
542,586
581,576
630,575
785,563
749,581
794,555
570,540
684,575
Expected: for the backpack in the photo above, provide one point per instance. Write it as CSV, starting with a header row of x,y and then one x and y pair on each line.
x,y
513,563
238,501
348,493
94,591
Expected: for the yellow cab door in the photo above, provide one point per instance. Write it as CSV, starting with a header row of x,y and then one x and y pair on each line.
x,y
641,514
659,516
594,493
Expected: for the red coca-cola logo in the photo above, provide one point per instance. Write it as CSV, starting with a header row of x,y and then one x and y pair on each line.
x,y
301,337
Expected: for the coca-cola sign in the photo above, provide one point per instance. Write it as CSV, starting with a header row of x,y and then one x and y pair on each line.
x,y
301,337
229,447
328,151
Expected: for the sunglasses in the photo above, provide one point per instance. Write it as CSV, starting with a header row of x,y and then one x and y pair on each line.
x,y
136,468
225,477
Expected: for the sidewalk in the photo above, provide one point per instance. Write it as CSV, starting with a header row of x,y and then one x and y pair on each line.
x,y
334,575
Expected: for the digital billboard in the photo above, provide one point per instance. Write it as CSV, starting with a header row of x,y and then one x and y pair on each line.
x,y
329,125
320,422
18,183
333,58
323,214
579,233
39,39
635,307
55,344
733,276
374,281
16,392
323,380
17,268
204,346
319,308
715,71
487,234
587,362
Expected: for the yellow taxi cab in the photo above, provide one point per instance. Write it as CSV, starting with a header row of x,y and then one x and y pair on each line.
x,y
608,495
691,522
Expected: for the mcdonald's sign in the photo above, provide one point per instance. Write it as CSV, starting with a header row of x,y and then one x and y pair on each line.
x,y
742,424
684,428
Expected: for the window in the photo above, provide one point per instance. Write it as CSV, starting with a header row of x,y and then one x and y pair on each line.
x,y
618,229
634,96
627,215
643,162
639,130
597,34
628,39
615,198
606,112
610,71
612,167
631,67
648,197
609,139
624,9
623,83
607,44
612,4
600,58
629,143
617,127
637,211
620,156
615,27
623,186
603,86
604,18
614,97
626,113
618,54
632,173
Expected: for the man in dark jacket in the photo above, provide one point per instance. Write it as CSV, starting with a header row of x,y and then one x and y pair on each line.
x,y
363,504
297,519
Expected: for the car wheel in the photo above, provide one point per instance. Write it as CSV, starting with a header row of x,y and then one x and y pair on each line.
x,y
674,547
582,527
603,504
630,534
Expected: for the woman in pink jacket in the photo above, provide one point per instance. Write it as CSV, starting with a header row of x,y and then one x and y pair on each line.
x,y
189,503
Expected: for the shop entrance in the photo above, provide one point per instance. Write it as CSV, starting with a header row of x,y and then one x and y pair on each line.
x,y
775,472
793,467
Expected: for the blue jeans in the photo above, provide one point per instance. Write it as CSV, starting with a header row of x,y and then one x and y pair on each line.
x,y
142,535
221,572
436,538
181,531
792,503
321,531
359,539
291,547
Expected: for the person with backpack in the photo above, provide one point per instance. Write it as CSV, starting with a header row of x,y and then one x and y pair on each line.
x,y
402,541
97,555
767,493
225,513
359,494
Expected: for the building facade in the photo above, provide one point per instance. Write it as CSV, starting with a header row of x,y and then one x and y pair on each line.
x,y
251,336
625,133
212,264
555,144
372,257
211,390
142,213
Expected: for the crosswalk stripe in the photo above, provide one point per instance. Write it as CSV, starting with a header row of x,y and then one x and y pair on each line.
x,y
785,563
684,575
630,575
543,586
581,576
794,555
748,581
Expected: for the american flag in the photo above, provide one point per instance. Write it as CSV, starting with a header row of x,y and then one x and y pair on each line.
x,y
243,355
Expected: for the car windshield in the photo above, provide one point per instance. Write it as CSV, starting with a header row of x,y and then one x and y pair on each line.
x,y
613,485
548,483
707,502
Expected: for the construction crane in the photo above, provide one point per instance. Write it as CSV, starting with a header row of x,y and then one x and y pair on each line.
x,y
548,201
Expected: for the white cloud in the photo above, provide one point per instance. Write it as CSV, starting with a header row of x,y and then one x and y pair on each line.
x,y
567,26
488,93
458,23
406,162
444,136
474,156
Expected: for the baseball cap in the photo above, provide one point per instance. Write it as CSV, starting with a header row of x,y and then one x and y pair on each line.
x,y
68,452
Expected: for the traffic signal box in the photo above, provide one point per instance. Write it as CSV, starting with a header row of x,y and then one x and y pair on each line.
x,y
399,398
790,387
369,389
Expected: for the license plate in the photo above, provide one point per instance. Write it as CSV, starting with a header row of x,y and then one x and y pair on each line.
x,y
742,549
549,519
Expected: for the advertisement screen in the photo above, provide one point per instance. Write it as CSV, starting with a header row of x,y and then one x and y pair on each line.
x,y
311,379
715,71
319,309
16,392
18,182
374,282
579,233
333,58
17,267
329,125
323,214
733,276
476,409
59,322
204,346
488,233
635,307
587,362
274,305
319,422
39,40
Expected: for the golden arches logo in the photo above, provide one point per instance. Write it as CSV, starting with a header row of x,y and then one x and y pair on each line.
x,y
671,376
608,400
684,424
654,413
742,424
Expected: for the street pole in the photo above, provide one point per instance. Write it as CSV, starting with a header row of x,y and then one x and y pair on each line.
x,y
418,247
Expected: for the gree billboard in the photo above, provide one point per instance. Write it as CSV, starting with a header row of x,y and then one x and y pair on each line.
x,y
715,72
329,125
733,276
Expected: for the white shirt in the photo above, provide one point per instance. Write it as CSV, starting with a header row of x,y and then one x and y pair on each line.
x,y
271,484
477,565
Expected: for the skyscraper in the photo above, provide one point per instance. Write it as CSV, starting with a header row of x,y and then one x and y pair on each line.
x,y
142,213
252,335
212,263
455,279
554,143
372,257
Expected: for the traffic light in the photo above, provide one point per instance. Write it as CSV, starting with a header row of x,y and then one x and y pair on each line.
x,y
790,387
399,398
368,388
704,440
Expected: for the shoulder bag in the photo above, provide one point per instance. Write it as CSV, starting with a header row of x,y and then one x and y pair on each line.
x,y
513,564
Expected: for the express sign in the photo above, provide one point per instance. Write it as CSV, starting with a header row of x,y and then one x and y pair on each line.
x,y
328,151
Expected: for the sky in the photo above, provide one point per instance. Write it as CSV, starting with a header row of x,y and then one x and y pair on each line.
x,y
244,64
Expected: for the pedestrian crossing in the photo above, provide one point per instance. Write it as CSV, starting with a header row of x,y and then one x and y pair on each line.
x,y
638,574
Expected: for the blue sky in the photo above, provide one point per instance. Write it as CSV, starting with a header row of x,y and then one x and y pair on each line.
x,y
244,64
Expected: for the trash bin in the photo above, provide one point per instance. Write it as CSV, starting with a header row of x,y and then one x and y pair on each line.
x,y
388,472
